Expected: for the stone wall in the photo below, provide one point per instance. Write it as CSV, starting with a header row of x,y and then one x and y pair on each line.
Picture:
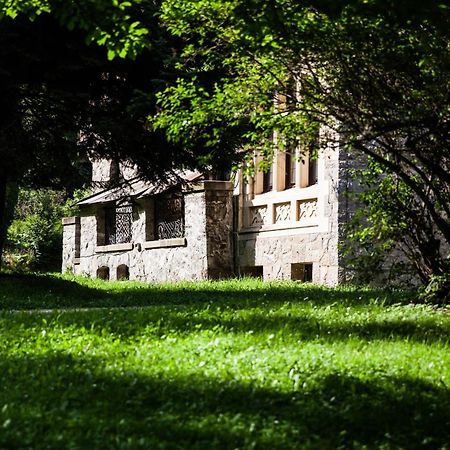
x,y
348,186
102,170
204,251
105,171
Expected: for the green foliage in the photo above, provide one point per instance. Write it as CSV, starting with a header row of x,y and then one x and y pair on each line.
x,y
437,290
112,23
34,238
373,78
217,365
372,75
390,219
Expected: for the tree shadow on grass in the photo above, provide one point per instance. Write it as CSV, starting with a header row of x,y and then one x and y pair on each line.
x,y
35,291
62,402
184,309
38,291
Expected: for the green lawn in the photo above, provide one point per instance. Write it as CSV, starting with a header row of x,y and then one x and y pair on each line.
x,y
223,365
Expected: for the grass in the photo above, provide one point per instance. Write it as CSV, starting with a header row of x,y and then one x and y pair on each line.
x,y
219,365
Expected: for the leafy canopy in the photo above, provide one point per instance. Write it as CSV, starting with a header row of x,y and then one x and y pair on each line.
x,y
372,75
117,24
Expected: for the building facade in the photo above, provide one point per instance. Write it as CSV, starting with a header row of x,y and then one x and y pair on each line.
x,y
282,224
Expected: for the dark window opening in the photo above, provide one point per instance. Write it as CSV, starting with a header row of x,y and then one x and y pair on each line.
x,y
169,216
312,160
118,221
149,219
268,180
77,237
289,178
312,172
302,272
114,172
103,273
252,271
123,272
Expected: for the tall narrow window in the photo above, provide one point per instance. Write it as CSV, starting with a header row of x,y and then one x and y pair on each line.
x,y
114,172
312,160
118,221
268,180
289,178
312,171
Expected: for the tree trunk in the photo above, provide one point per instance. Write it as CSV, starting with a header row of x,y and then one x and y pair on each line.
x,y
3,218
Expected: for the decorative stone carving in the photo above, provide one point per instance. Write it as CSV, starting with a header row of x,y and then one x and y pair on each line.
x,y
307,209
282,212
258,216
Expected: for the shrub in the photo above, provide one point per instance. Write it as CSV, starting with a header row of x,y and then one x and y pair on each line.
x,y
34,238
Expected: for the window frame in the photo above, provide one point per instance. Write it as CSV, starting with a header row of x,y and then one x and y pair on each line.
x,y
165,225
111,233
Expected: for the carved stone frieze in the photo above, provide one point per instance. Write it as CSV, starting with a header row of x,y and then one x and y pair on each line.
x,y
282,212
307,209
257,216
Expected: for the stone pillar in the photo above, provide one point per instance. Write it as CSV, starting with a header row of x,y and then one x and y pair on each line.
x,y
71,243
219,228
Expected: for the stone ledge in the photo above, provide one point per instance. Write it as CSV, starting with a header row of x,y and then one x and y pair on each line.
x,y
71,220
307,193
162,243
113,248
280,227
209,185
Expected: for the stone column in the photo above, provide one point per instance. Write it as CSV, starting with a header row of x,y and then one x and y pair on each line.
x,y
71,243
219,228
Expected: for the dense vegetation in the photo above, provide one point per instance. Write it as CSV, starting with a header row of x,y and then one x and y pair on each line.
x,y
219,365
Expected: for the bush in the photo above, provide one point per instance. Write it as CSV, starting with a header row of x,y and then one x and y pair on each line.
x,y
34,238
437,291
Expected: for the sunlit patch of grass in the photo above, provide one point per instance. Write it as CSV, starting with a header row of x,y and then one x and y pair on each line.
x,y
235,364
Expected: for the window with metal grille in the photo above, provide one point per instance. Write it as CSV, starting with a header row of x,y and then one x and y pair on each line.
x,y
169,216
118,221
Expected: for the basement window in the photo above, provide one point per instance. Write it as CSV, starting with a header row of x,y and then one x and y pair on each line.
x,y
103,273
252,271
302,272
123,272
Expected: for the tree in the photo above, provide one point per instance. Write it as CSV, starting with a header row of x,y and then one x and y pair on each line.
x,y
66,98
374,74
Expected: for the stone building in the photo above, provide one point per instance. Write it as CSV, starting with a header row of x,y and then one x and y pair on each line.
x,y
282,224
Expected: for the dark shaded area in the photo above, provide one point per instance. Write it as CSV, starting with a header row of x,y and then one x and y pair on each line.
x,y
26,291
187,309
70,400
